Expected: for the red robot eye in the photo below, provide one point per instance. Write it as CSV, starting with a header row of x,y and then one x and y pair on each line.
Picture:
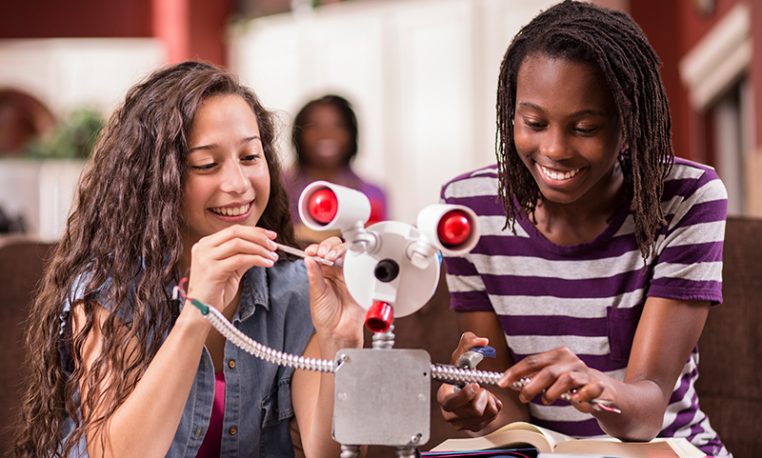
x,y
323,205
454,228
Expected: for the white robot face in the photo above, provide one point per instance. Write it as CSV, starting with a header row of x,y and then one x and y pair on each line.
x,y
391,268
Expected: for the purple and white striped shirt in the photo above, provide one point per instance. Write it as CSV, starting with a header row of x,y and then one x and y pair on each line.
x,y
589,297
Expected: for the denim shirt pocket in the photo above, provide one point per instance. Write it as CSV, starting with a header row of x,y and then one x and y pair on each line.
x,y
622,324
276,406
276,438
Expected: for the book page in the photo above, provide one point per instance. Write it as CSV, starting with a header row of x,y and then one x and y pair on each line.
x,y
512,434
658,448
553,437
682,447
497,439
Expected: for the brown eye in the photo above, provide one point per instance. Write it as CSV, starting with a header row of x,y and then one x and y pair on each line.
x,y
208,166
584,130
534,125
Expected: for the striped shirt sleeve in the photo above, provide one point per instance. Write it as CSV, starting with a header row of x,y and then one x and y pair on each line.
x,y
689,249
464,282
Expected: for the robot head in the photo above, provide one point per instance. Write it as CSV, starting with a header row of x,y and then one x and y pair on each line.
x,y
391,268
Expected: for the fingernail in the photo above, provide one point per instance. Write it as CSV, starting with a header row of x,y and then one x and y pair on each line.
x,y
273,255
504,379
269,262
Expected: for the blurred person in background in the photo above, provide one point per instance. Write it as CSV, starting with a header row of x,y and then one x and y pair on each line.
x,y
11,223
324,136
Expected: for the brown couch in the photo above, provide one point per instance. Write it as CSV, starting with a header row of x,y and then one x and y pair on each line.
x,y
730,381
730,386
21,264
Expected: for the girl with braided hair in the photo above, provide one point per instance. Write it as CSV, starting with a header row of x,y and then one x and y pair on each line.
x,y
600,252
185,181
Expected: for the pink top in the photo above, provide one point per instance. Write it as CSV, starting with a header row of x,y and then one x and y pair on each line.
x,y
211,446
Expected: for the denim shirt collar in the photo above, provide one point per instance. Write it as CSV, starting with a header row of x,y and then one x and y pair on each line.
x,y
254,292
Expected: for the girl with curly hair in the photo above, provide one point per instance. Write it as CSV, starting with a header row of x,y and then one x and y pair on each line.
x,y
184,181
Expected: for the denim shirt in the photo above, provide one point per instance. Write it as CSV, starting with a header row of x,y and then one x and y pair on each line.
x,y
274,311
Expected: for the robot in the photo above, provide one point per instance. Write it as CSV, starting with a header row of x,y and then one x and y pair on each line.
x,y
391,269
382,394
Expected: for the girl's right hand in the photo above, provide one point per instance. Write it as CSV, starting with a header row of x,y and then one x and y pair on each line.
x,y
471,407
219,261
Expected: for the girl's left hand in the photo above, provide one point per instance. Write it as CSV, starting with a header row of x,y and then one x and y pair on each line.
x,y
338,319
556,372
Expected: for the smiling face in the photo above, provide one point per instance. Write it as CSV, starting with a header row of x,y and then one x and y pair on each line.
x,y
325,136
227,180
566,130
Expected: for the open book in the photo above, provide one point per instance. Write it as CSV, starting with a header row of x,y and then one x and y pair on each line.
x,y
520,434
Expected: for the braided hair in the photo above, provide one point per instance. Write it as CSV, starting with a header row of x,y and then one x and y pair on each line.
x,y
612,42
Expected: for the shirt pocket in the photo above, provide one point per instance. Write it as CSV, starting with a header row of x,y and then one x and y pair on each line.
x,y
621,324
276,406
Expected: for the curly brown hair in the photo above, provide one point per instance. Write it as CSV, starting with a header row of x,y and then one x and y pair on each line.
x,y
612,42
125,229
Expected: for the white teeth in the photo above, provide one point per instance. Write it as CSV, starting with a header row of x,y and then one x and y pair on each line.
x,y
231,211
558,176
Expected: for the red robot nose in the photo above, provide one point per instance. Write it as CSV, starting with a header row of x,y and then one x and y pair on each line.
x,y
454,228
379,317
323,205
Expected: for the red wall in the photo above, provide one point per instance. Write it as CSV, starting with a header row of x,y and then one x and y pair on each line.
x,y
75,18
202,37
658,20
693,25
674,27
209,21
